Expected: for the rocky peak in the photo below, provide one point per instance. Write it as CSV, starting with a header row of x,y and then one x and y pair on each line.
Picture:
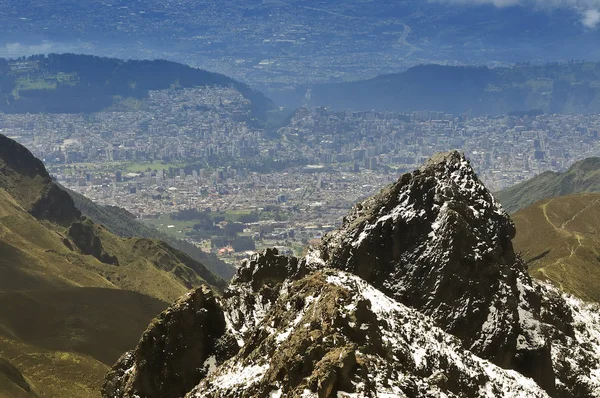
x,y
419,293
256,287
438,241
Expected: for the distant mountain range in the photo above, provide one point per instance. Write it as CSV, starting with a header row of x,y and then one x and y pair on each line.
x,y
69,83
72,83
73,295
550,88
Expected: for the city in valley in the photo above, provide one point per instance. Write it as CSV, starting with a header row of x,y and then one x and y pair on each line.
x,y
193,163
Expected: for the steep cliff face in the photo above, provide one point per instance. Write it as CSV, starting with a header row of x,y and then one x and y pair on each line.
x,y
177,350
419,293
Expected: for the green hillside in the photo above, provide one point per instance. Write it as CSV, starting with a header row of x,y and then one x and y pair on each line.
x,y
73,296
13,383
583,176
73,83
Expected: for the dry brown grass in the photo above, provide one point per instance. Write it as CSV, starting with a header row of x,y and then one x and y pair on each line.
x,y
560,240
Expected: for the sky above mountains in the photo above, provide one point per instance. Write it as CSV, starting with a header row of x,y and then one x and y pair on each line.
x,y
588,9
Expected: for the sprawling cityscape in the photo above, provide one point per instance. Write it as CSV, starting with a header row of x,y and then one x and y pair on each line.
x,y
195,149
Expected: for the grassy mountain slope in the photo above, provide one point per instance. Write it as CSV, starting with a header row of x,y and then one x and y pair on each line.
x,y
44,239
64,340
52,373
559,238
122,223
96,322
36,255
13,383
583,176
73,296
33,256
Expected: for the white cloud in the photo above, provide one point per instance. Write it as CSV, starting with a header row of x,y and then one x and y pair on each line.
x,y
591,18
589,9
18,49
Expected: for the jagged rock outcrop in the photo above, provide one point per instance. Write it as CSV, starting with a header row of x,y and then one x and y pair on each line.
x,y
86,240
438,242
331,333
177,350
255,288
418,294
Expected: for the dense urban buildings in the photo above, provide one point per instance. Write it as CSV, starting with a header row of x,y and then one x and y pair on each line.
x,y
198,149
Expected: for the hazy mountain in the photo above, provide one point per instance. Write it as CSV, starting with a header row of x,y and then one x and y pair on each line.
x,y
73,296
559,239
283,43
551,88
419,293
71,83
583,176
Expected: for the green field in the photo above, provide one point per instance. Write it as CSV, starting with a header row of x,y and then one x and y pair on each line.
x,y
165,220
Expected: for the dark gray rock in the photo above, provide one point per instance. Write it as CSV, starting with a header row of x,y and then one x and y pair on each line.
x,y
175,352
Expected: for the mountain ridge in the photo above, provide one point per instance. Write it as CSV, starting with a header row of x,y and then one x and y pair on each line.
x,y
472,90
44,200
124,224
73,296
582,176
77,83
343,307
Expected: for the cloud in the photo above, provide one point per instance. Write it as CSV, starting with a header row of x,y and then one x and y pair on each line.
x,y
18,49
497,3
588,9
591,18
